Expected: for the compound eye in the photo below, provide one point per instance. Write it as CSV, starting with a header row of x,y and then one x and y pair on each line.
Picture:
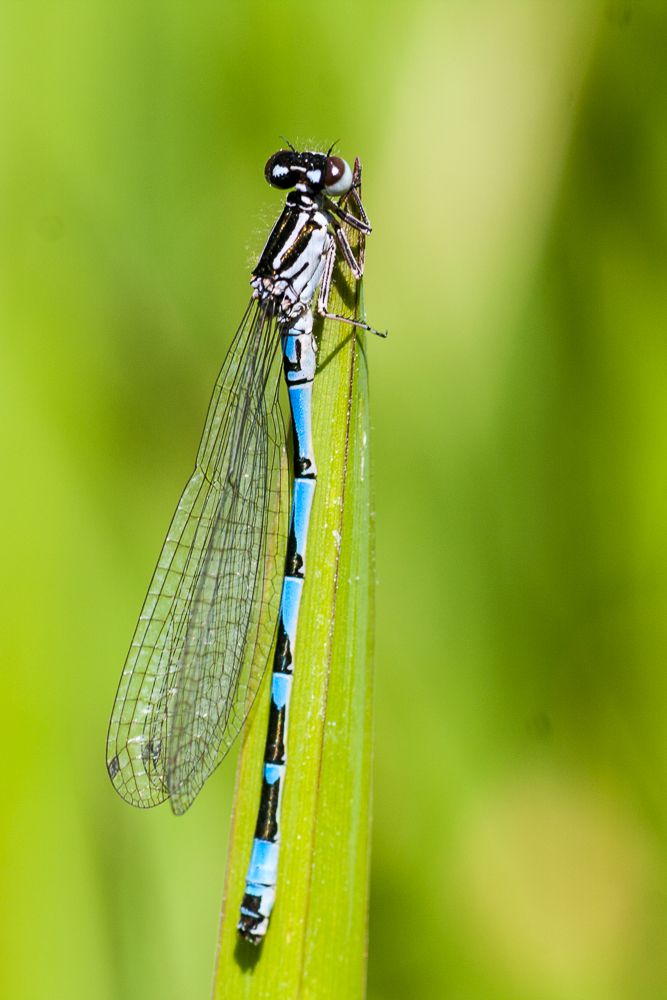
x,y
279,170
337,176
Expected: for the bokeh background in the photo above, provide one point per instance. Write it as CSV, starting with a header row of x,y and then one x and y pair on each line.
x,y
515,166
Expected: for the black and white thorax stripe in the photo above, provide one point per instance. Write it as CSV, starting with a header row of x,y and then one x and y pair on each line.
x,y
290,269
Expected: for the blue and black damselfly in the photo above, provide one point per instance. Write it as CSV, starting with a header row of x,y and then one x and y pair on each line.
x,y
227,587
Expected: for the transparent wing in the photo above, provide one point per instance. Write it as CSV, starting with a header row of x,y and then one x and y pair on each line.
x,y
206,629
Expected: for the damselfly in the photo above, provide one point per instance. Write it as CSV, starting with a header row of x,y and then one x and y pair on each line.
x,y
230,575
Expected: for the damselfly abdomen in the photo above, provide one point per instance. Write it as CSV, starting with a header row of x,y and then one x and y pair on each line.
x,y
227,587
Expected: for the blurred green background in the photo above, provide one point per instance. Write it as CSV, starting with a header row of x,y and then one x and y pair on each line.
x,y
515,167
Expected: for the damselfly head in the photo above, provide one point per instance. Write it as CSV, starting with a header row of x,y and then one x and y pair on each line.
x,y
317,171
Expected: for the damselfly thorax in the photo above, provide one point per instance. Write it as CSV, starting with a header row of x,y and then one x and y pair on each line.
x,y
290,268
300,253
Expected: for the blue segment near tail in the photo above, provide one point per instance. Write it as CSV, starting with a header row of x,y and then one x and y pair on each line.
x,y
263,867
273,773
281,688
289,605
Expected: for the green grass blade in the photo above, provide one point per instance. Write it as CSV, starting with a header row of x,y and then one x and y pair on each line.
x,y
316,943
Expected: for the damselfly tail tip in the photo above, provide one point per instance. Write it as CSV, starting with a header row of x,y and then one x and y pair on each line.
x,y
255,911
252,928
